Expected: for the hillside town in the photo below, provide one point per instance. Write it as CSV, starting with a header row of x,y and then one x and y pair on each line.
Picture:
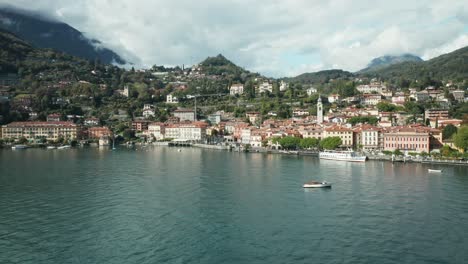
x,y
48,98
375,119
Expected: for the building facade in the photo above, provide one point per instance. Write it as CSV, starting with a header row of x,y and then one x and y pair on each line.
x,y
185,115
37,130
236,89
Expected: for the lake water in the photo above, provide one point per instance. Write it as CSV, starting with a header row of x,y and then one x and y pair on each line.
x,y
158,205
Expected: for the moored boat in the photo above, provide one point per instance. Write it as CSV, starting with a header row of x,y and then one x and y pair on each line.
x,y
64,147
343,155
316,184
19,147
51,147
435,171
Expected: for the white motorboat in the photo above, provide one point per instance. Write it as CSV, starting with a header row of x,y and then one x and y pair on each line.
x,y
316,184
344,155
51,147
64,147
19,147
434,171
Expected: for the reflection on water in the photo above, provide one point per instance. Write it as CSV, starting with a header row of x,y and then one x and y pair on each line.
x,y
158,205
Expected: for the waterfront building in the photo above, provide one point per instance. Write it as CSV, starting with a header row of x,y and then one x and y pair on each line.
x,y
256,139
156,130
342,132
99,132
37,130
311,132
245,137
189,131
368,137
414,138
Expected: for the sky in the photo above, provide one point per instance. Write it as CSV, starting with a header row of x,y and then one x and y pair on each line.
x,y
277,38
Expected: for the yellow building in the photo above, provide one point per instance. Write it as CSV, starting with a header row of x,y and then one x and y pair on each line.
x,y
38,130
344,133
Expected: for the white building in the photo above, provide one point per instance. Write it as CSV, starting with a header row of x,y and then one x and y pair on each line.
x,y
92,121
185,115
370,138
300,112
332,98
124,92
371,99
245,136
236,89
189,131
311,91
156,130
399,99
256,140
459,95
376,87
264,87
283,86
148,111
171,99
214,118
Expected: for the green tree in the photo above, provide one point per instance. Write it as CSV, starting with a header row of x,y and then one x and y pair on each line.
x,y
289,142
386,107
448,131
307,143
461,138
330,142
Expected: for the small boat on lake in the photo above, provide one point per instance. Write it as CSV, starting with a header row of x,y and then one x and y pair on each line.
x,y
64,147
316,184
434,171
51,147
19,147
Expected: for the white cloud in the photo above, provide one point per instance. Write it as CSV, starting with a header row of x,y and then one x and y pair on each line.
x,y
258,34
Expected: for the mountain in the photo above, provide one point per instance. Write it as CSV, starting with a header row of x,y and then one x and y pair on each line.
x,y
43,33
384,61
450,66
13,50
219,65
320,77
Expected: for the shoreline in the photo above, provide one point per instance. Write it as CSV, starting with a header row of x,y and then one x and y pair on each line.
x,y
398,159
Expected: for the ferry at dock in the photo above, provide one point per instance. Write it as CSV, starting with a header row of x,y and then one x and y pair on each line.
x,y
342,155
